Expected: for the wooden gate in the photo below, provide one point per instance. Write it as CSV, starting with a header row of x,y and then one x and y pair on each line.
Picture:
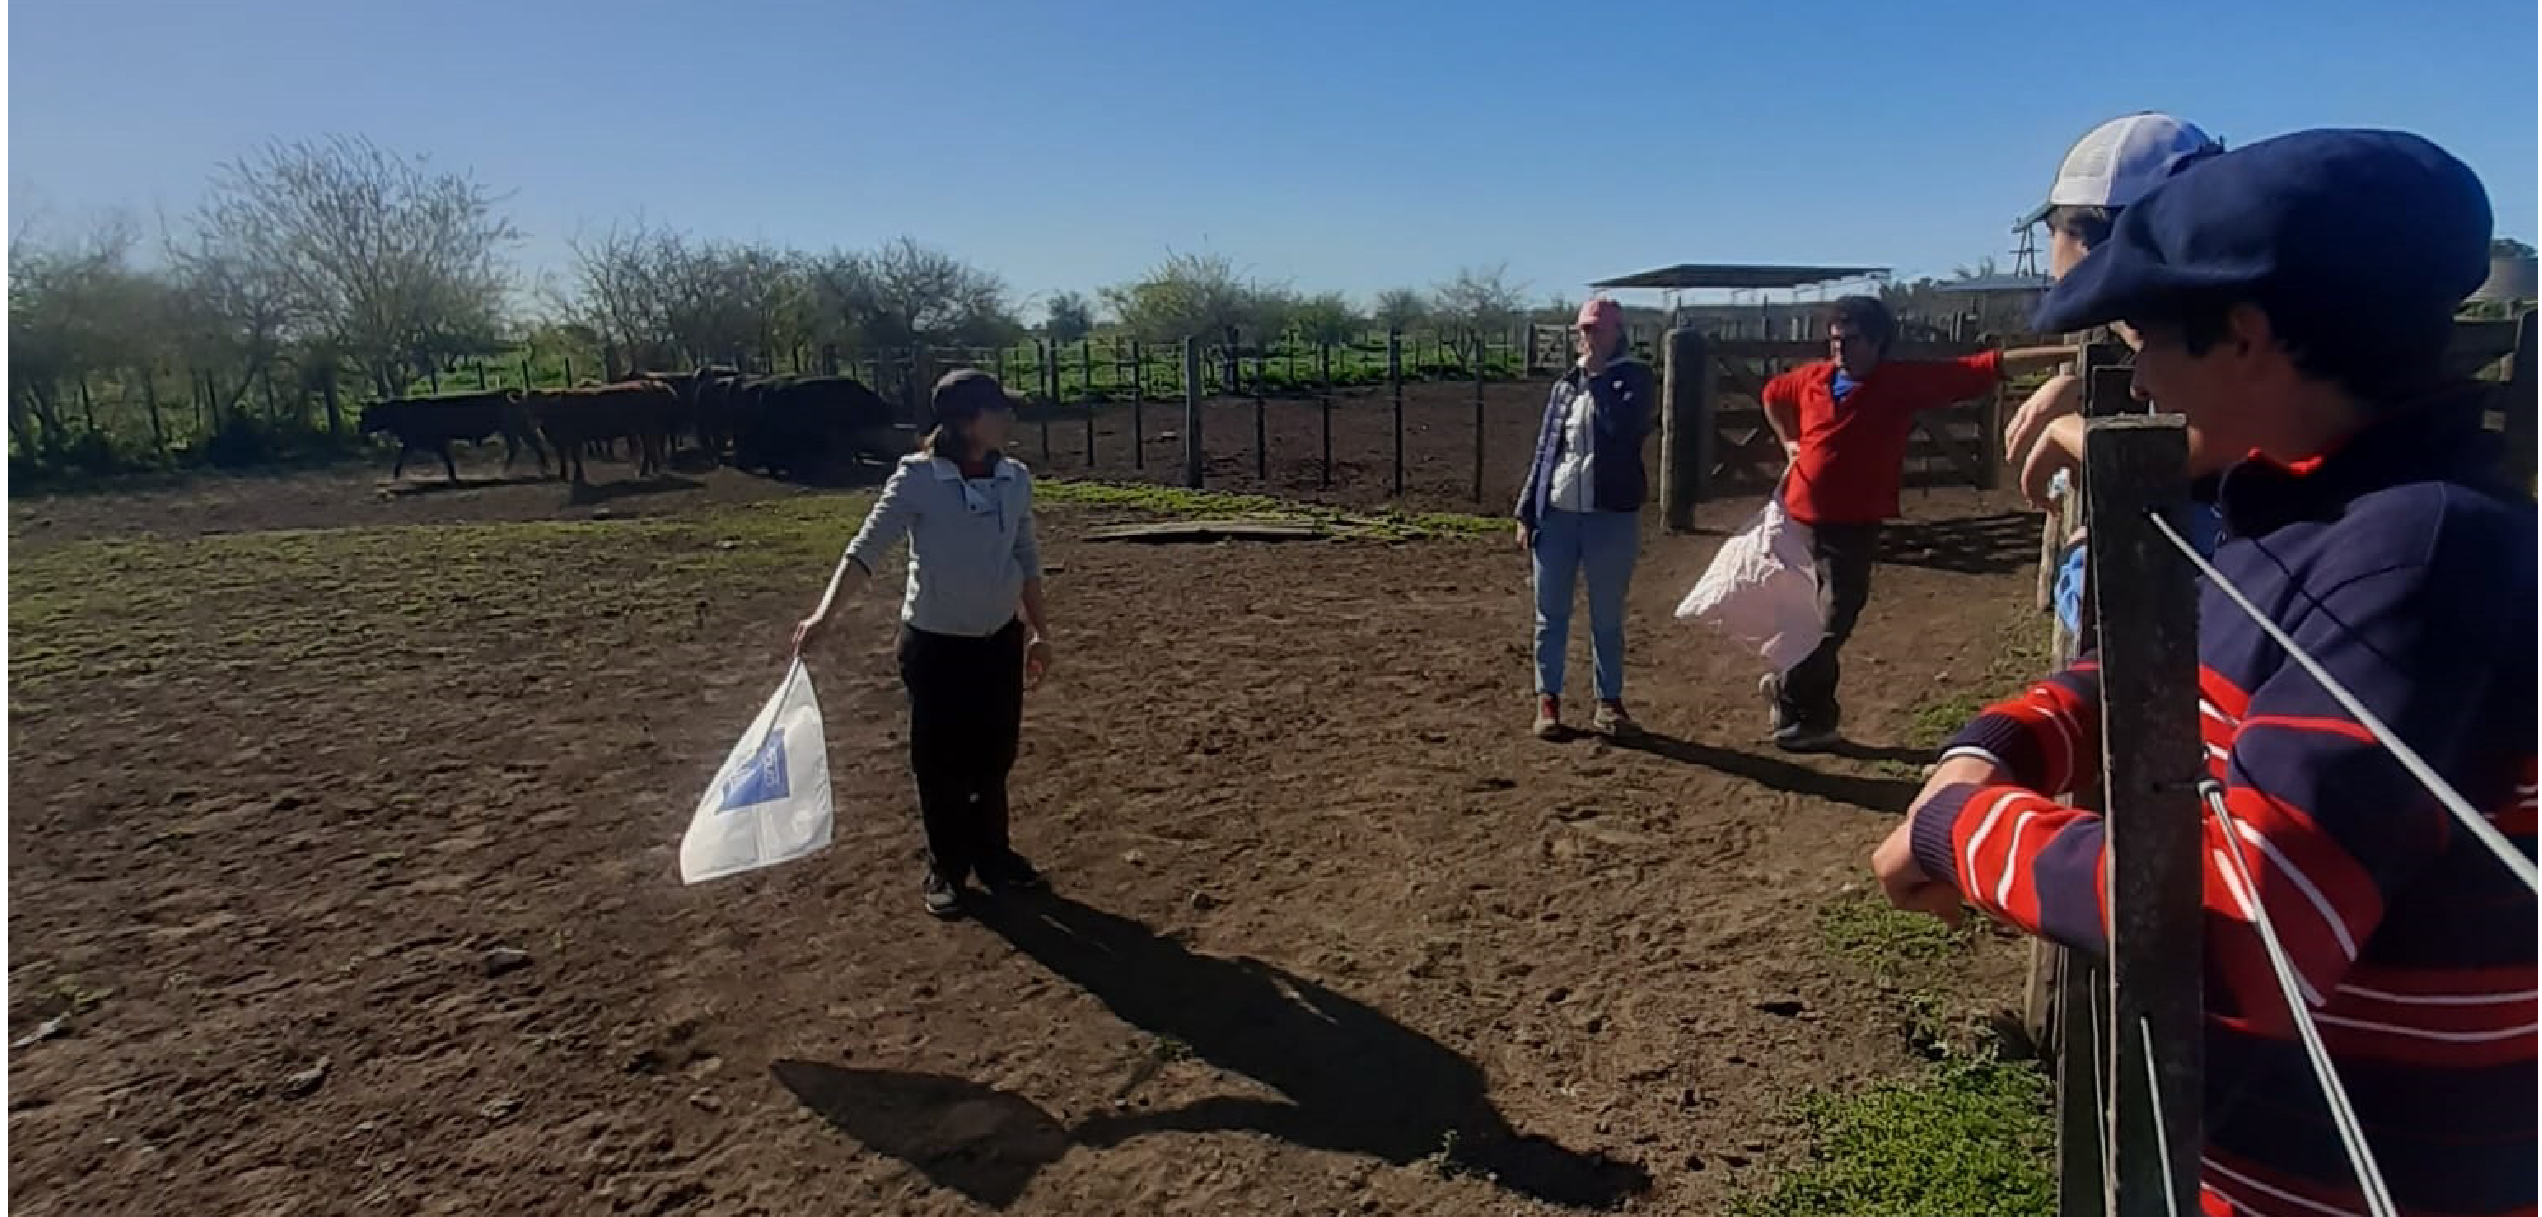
x,y
1955,446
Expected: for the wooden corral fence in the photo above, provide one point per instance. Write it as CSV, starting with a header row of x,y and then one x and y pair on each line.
x,y
1715,441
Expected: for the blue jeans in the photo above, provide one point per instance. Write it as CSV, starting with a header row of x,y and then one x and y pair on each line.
x,y
1603,545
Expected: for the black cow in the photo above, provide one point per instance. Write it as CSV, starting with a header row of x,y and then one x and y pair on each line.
x,y
431,424
641,412
789,424
695,388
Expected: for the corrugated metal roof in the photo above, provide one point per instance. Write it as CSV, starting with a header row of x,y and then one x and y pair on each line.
x,y
1983,285
1700,275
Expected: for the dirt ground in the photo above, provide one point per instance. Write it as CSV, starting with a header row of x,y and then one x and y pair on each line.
x,y
343,878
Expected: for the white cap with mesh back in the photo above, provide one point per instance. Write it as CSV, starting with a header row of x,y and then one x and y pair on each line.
x,y
2122,159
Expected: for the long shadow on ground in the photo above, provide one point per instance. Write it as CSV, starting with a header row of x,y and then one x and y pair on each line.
x,y
1969,545
1350,1079
977,1140
1887,795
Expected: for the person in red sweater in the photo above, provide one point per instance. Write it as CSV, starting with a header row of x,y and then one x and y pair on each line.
x,y
1844,423
2294,301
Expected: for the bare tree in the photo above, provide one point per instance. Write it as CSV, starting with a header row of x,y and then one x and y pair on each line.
x,y
232,311
1478,300
1401,308
1183,296
398,262
619,293
1069,316
75,310
1325,318
927,295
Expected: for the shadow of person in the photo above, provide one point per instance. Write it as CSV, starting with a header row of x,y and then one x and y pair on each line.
x,y
977,1140
1887,795
1350,1079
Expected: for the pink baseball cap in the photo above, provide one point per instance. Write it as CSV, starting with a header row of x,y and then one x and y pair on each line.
x,y
1600,310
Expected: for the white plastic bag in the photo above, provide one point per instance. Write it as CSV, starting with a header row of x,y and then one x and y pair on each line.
x,y
1762,589
770,802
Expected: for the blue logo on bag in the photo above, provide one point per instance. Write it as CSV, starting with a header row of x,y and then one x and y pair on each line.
x,y
761,779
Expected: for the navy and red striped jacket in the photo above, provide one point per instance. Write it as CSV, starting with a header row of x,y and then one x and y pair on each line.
x,y
2404,566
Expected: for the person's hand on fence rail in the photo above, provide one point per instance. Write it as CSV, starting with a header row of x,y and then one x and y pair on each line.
x,y
2059,397
1902,880
2059,448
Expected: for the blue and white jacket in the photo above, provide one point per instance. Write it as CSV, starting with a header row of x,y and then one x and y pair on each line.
x,y
1624,396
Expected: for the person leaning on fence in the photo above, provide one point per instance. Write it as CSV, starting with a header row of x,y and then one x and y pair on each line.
x,y
1581,511
966,655
2110,167
1845,422
2294,300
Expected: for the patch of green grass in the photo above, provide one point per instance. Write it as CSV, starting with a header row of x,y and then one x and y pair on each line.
x,y
2021,655
1864,928
1967,1137
1177,501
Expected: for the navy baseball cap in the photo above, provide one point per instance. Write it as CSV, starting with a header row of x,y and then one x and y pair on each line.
x,y
2361,229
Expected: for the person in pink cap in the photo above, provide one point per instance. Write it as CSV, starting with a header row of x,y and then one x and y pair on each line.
x,y
1580,514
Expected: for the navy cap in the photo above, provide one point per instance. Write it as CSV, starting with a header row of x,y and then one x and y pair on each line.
x,y
966,393
2356,228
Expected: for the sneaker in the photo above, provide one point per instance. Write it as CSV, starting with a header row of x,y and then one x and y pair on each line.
x,y
1011,875
943,896
1615,722
1770,687
1800,738
1548,718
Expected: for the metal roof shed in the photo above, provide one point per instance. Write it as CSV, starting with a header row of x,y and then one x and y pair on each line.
x,y
1719,276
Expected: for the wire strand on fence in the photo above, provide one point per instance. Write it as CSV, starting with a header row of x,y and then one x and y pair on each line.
x,y
2343,1115
2472,821
2162,1132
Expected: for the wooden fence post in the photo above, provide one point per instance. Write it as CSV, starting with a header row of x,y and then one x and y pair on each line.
x,y
1048,376
1261,428
2523,428
335,404
2146,617
1685,429
1479,354
481,382
1324,361
1138,406
1394,378
150,398
1192,464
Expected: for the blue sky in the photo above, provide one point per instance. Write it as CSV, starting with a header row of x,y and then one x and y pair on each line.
x,y
1355,146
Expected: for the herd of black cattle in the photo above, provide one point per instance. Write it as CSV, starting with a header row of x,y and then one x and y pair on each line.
x,y
780,425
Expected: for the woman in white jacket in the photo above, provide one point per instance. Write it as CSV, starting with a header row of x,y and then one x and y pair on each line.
x,y
973,629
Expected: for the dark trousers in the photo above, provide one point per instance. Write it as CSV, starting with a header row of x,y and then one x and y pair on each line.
x,y
1844,555
966,714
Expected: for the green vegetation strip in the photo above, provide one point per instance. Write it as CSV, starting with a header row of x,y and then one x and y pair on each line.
x,y
1966,1135
134,608
1966,1138
1864,928
1176,501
